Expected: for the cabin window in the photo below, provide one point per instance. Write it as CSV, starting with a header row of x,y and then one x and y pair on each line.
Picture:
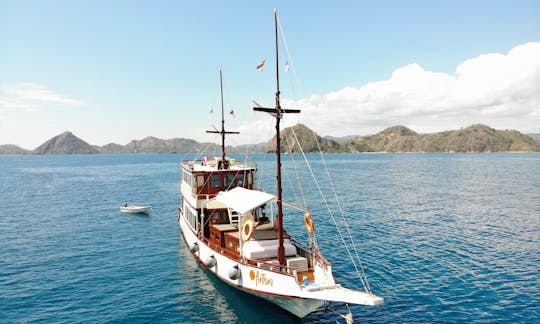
x,y
187,178
229,179
240,180
200,181
216,181
193,183
190,216
197,220
220,217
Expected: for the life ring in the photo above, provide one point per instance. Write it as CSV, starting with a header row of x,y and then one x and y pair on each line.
x,y
247,230
310,227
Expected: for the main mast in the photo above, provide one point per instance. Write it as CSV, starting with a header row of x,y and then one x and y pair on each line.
x,y
278,112
222,132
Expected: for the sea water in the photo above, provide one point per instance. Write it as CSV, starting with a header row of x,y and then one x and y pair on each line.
x,y
442,238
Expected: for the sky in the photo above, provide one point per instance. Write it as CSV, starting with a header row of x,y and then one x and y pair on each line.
x,y
114,71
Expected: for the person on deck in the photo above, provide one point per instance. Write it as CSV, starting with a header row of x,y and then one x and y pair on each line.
x,y
263,219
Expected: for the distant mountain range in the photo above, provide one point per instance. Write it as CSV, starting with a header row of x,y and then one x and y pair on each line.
x,y
476,138
67,143
13,149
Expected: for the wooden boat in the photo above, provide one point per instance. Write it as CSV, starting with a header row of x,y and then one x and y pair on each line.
x,y
229,226
135,209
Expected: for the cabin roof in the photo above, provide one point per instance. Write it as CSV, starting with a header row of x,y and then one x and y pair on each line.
x,y
204,166
243,200
207,168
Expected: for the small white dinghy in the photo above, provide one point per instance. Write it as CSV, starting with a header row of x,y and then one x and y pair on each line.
x,y
135,209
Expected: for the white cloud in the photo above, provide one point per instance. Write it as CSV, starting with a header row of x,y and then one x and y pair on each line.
x,y
500,90
32,96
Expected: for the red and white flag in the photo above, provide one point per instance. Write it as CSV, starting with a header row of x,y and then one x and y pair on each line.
x,y
232,113
261,66
287,66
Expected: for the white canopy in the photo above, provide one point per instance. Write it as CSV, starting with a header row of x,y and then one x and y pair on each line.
x,y
243,200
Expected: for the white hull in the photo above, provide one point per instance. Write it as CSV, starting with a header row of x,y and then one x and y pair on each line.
x,y
135,209
281,291
300,307
278,288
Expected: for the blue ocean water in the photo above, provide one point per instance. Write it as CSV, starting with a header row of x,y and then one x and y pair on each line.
x,y
443,237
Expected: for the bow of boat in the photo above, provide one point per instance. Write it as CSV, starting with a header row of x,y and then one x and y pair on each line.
x,y
341,294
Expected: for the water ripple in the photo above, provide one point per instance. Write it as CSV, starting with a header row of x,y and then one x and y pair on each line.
x,y
443,237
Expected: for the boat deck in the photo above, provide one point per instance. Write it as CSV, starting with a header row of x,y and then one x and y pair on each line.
x,y
262,234
308,274
212,166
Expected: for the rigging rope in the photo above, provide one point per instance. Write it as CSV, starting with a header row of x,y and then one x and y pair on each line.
x,y
311,235
301,199
200,153
363,273
361,277
359,268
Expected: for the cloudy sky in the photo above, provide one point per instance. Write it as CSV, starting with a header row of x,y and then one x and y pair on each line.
x,y
112,71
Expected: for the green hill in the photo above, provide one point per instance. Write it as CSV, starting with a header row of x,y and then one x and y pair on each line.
x,y
476,138
307,138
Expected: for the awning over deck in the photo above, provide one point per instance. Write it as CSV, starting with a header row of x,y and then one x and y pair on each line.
x,y
243,200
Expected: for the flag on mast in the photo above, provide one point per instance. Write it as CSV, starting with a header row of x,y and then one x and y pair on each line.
x,y
261,66
232,113
287,66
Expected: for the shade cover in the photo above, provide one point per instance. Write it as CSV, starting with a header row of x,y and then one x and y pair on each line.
x,y
243,200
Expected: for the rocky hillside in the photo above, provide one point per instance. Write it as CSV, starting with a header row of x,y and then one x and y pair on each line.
x,y
393,139
476,138
156,145
112,148
306,137
13,149
65,143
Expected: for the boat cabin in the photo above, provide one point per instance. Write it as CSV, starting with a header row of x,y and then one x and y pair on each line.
x,y
201,181
209,176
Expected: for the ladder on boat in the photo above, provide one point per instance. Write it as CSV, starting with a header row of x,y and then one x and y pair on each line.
x,y
234,217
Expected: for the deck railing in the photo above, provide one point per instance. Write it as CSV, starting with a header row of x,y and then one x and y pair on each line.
x,y
312,252
241,164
